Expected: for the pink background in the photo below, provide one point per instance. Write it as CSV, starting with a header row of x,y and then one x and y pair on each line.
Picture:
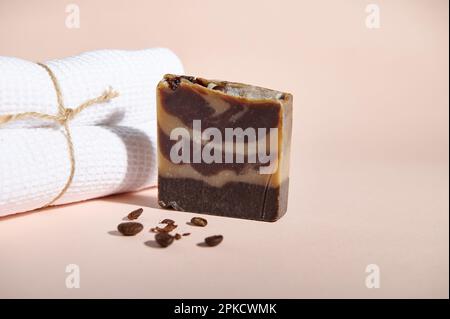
x,y
369,175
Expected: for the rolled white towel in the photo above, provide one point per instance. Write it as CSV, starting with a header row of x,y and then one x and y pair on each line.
x,y
114,143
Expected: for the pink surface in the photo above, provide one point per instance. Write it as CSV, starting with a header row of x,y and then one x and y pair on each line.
x,y
369,175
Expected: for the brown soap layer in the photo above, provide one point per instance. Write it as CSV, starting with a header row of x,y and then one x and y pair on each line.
x,y
188,103
165,144
234,199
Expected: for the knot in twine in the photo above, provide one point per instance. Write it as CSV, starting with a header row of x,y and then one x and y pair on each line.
x,y
64,116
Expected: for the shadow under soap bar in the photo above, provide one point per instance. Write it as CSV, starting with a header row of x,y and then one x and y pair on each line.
x,y
223,148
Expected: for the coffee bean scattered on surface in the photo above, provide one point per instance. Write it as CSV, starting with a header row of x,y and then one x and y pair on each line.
x,y
135,214
164,239
169,227
130,228
199,221
163,236
167,221
166,229
213,240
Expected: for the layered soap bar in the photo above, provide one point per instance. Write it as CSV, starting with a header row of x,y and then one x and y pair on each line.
x,y
223,148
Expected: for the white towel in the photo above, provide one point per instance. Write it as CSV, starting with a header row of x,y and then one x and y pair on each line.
x,y
114,143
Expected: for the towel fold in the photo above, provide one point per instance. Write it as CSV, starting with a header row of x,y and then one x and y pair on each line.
x,y
26,86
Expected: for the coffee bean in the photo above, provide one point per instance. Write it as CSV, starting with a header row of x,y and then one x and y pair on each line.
x,y
166,229
198,221
135,214
186,234
213,240
164,239
129,228
167,221
177,236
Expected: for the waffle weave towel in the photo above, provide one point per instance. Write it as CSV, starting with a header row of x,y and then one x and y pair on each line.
x,y
114,143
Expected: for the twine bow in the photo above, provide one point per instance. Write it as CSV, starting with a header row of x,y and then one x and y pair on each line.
x,y
63,117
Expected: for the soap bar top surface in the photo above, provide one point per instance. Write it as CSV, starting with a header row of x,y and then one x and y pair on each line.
x,y
235,160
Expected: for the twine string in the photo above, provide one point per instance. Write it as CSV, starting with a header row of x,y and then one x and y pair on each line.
x,y
63,117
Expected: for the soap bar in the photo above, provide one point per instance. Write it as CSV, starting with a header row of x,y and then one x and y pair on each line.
x,y
223,148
